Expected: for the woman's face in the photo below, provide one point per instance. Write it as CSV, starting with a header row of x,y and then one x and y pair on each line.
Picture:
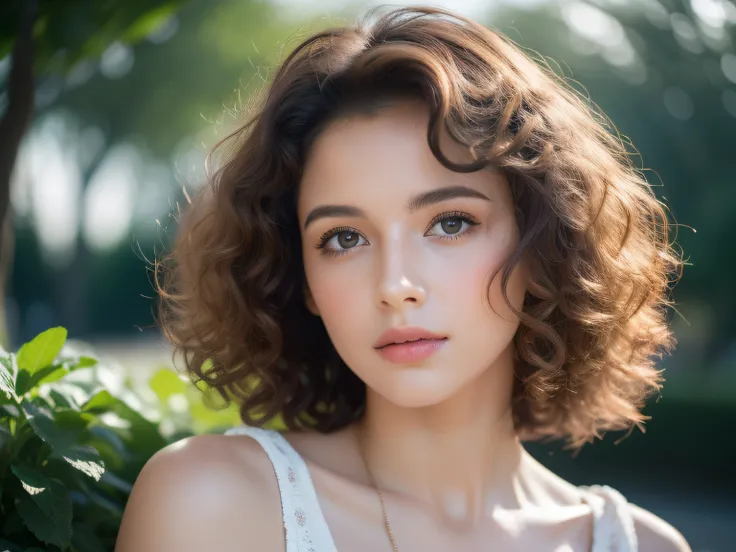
x,y
379,253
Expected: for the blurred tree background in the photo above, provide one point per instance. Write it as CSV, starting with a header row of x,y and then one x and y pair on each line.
x,y
128,97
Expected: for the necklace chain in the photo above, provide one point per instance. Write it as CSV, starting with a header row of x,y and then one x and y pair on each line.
x,y
372,480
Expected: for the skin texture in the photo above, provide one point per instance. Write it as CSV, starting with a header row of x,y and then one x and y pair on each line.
x,y
438,435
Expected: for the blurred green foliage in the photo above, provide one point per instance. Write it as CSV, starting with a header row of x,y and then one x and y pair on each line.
x,y
71,446
68,31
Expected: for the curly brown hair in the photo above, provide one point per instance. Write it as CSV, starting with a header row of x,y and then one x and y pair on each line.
x,y
593,323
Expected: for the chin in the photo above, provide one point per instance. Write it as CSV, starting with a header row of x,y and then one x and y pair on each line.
x,y
418,388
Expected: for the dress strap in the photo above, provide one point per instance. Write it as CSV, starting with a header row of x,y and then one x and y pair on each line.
x,y
614,527
305,528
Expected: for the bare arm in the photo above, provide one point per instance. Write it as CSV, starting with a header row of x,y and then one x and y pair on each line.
x,y
209,492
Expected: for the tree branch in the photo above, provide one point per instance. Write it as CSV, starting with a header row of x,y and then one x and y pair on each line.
x,y
21,90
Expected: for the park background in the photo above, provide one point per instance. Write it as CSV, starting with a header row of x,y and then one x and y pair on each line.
x,y
128,98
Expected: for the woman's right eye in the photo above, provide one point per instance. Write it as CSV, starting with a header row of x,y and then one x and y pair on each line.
x,y
339,242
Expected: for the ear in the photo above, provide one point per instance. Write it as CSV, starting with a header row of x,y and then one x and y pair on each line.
x,y
309,301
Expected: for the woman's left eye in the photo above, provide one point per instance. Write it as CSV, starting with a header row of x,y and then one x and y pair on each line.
x,y
451,226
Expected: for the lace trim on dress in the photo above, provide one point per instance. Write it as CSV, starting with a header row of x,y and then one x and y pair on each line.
x,y
305,528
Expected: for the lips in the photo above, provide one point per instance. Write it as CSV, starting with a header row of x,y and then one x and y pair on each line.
x,y
405,335
409,346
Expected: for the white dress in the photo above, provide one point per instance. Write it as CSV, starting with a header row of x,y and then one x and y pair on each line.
x,y
306,529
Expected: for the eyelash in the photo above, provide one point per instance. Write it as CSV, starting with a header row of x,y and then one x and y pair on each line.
x,y
464,217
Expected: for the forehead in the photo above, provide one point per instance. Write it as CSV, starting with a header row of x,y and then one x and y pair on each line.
x,y
381,158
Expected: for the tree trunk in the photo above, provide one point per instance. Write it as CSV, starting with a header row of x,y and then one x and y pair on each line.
x,y
13,126
73,283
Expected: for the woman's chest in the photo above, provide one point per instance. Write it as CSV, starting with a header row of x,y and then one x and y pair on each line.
x,y
357,524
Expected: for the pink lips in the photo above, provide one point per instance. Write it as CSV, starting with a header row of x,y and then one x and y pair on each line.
x,y
408,345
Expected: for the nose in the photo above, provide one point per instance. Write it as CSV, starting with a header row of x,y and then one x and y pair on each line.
x,y
400,283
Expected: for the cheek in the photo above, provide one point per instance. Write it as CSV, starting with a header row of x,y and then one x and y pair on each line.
x,y
475,281
339,292
344,309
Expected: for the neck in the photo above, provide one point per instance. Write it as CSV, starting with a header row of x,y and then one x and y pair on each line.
x,y
462,456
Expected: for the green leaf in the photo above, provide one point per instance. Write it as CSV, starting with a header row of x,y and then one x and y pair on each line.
x,y
9,410
100,403
109,444
22,383
61,398
52,529
72,419
86,459
46,509
48,373
33,482
143,433
105,402
106,435
8,373
41,351
65,394
61,368
86,361
165,383
42,489
61,433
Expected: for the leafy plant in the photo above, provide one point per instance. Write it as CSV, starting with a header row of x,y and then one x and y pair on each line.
x,y
72,441
69,449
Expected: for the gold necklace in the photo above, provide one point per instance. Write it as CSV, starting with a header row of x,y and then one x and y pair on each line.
x,y
372,480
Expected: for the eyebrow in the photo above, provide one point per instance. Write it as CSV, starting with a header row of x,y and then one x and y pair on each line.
x,y
416,203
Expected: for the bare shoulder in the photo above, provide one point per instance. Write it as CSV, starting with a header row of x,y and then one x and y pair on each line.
x,y
656,535
208,492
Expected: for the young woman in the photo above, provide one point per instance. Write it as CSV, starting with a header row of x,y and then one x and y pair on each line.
x,y
422,250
